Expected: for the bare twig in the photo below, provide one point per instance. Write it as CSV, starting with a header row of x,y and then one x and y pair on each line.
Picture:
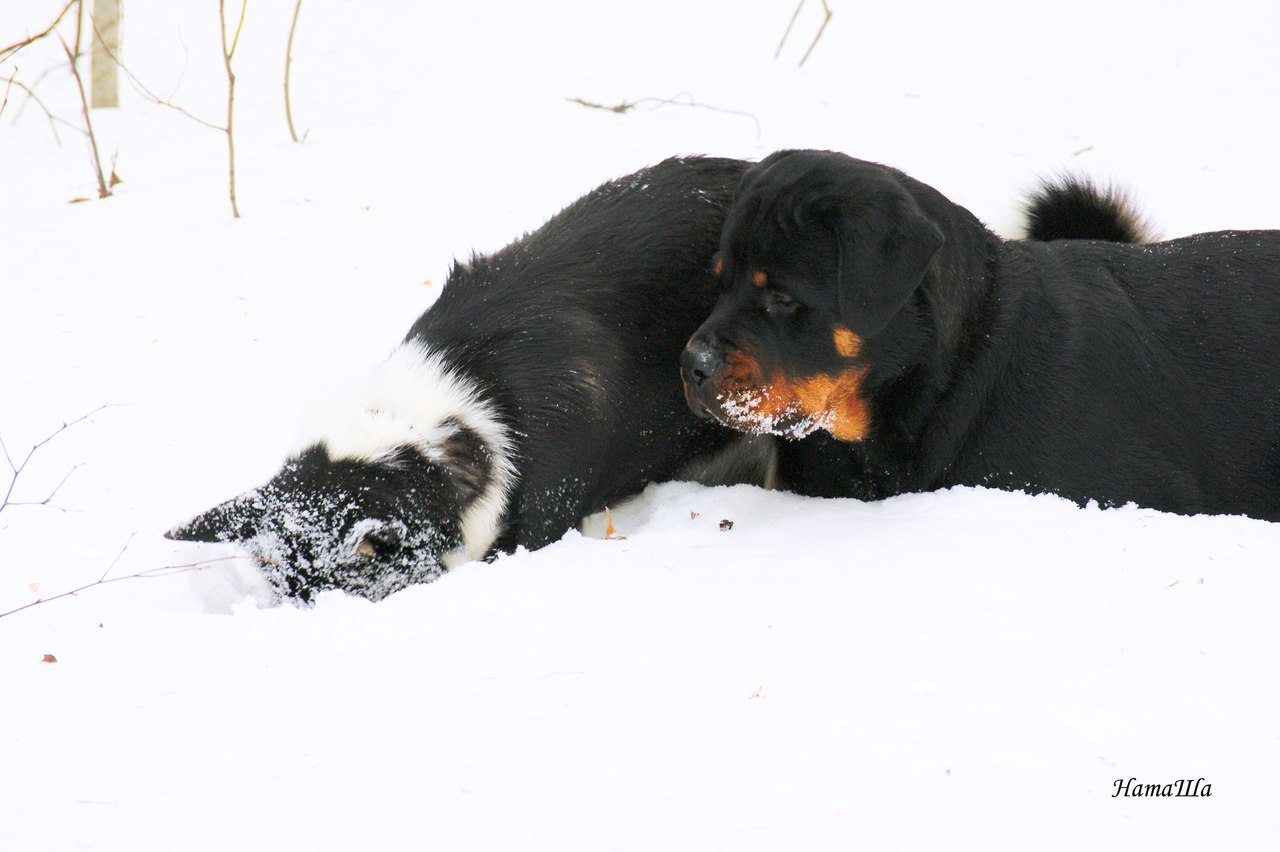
x,y
230,54
9,85
6,52
150,573
141,89
227,53
620,108
790,24
627,106
17,469
73,56
825,20
48,500
288,61
54,120
228,50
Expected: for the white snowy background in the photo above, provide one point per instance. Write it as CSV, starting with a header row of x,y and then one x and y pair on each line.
x,y
961,670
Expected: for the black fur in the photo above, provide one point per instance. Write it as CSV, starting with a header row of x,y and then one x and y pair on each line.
x,y
1074,208
1095,370
574,332
571,333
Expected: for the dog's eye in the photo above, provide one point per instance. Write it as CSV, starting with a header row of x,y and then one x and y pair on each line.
x,y
377,543
777,302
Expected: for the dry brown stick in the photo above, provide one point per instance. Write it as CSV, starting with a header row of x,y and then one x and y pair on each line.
x,y
288,61
17,469
790,24
73,57
231,95
826,20
9,85
10,50
822,28
227,52
626,106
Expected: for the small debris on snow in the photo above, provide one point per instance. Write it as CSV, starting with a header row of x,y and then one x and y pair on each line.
x,y
610,533
49,658
726,525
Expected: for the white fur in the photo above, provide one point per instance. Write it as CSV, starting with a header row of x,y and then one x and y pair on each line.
x,y
405,401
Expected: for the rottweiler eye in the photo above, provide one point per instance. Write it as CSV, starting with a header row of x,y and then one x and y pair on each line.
x,y
777,302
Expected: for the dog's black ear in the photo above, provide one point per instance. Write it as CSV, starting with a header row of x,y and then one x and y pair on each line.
x,y
885,249
238,519
753,173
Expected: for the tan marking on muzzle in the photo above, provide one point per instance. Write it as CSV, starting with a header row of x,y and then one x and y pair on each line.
x,y
826,401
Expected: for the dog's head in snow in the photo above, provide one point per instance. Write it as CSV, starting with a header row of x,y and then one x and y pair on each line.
x,y
395,484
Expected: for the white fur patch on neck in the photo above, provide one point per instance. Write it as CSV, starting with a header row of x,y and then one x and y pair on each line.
x,y
415,399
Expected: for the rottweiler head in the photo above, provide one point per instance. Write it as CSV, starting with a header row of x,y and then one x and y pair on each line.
x,y
819,253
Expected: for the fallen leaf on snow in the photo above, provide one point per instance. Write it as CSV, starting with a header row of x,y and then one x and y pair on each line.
x,y
611,534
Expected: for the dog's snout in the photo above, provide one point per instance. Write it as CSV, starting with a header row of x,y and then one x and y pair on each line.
x,y
700,361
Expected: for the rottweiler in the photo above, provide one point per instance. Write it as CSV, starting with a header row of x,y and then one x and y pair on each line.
x,y
919,350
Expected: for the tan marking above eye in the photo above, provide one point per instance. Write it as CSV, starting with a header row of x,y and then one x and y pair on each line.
x,y
759,279
846,342
717,265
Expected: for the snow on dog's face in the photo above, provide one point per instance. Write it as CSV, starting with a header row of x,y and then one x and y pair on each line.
x,y
818,256
400,480
368,528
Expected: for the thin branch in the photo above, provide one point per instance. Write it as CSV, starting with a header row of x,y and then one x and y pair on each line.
x,y
239,26
231,96
150,573
9,85
627,106
17,469
141,89
119,555
6,52
826,20
288,60
791,24
54,120
48,501
73,56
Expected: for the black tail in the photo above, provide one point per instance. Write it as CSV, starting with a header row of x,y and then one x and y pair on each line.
x,y
1073,208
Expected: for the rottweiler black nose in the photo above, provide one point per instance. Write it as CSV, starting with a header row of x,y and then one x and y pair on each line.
x,y
699,361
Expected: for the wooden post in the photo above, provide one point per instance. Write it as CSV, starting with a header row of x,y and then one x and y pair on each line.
x,y
105,86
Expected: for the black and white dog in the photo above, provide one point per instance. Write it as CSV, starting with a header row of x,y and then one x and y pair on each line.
x,y
541,386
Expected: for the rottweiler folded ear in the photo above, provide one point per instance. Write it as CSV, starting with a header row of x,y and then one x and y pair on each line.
x,y
885,248
238,519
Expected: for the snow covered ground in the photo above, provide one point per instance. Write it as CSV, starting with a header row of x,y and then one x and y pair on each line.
x,y
960,670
